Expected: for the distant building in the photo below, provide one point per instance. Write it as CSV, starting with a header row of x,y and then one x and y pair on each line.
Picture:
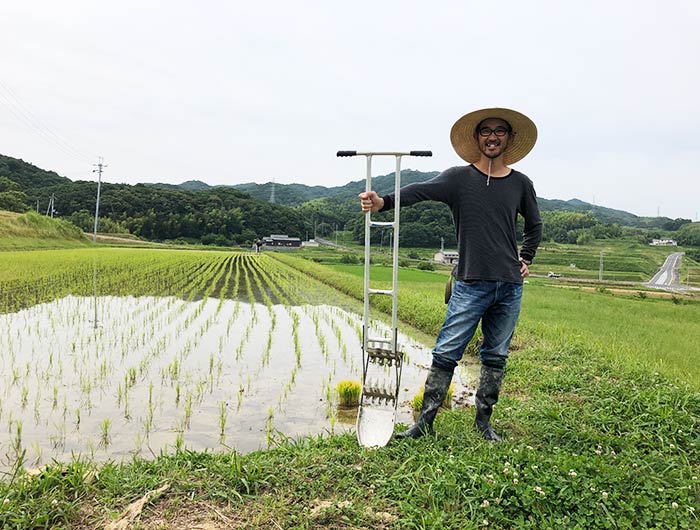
x,y
281,240
309,243
665,242
449,257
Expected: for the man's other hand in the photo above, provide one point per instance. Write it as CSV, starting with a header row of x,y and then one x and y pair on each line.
x,y
524,270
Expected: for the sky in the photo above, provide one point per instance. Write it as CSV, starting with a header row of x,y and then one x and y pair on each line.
x,y
229,92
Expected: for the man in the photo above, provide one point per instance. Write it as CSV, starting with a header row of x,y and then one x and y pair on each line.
x,y
485,198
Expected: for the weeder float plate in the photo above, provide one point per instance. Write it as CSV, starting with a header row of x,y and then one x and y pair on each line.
x,y
375,426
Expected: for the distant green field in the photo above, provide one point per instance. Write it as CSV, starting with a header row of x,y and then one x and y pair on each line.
x,y
622,260
659,334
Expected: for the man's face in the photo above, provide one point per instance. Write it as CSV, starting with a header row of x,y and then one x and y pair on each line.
x,y
493,136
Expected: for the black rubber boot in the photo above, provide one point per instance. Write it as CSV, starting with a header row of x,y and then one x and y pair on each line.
x,y
436,385
486,398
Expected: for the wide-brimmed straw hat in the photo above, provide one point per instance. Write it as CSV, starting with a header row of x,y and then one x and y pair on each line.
x,y
467,147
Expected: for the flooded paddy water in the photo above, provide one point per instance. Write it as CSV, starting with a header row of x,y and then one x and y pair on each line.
x,y
157,374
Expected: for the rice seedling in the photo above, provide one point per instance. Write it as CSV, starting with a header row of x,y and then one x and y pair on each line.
x,y
349,393
38,452
105,427
188,409
269,426
17,440
417,401
223,408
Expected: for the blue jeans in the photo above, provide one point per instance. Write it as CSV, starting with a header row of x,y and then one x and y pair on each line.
x,y
496,304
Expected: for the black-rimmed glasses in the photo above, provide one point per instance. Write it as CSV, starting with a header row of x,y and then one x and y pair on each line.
x,y
498,131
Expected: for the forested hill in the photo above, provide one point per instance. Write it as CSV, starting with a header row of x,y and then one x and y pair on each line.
x,y
211,215
297,194
197,212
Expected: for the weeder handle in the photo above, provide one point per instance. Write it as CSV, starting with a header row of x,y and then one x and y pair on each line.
x,y
421,153
346,153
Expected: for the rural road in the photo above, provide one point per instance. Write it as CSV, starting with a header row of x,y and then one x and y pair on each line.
x,y
668,277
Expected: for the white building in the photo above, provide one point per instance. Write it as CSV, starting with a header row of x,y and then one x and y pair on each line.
x,y
664,242
449,257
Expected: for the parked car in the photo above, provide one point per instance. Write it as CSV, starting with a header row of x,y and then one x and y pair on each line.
x,y
551,274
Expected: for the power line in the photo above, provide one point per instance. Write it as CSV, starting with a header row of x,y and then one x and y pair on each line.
x,y
22,113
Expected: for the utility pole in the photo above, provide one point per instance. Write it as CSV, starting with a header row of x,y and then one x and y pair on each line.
x,y
100,165
50,210
600,272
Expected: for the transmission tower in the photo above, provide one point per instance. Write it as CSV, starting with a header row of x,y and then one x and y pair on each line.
x,y
272,193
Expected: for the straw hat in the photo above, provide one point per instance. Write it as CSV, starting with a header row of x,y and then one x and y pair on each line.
x,y
463,141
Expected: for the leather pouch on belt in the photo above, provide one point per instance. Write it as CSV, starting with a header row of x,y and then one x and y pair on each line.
x,y
448,285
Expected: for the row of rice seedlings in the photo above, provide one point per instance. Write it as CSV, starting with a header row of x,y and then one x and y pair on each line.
x,y
224,289
249,292
270,275
258,280
233,293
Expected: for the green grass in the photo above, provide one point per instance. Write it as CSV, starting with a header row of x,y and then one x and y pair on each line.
x,y
660,334
34,231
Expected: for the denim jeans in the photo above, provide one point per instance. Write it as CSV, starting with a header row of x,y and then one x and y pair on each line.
x,y
496,304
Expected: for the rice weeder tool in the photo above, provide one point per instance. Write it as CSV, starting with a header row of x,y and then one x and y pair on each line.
x,y
382,360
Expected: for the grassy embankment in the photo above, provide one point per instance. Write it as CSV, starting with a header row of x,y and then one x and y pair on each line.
x,y
600,434
33,231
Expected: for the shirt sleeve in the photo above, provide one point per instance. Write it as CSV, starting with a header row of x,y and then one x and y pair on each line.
x,y
436,189
532,235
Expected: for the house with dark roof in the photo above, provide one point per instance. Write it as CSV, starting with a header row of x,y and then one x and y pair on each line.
x,y
281,241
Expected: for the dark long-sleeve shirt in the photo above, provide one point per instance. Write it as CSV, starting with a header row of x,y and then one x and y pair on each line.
x,y
485,219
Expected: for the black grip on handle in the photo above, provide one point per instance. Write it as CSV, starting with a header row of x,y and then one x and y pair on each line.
x,y
346,153
421,153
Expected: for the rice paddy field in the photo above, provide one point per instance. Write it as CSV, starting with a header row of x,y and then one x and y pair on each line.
x,y
114,353
147,379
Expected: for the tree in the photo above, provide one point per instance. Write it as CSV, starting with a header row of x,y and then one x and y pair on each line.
x,y
689,234
11,197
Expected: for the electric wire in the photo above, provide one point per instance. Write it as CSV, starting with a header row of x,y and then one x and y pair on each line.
x,y
22,113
